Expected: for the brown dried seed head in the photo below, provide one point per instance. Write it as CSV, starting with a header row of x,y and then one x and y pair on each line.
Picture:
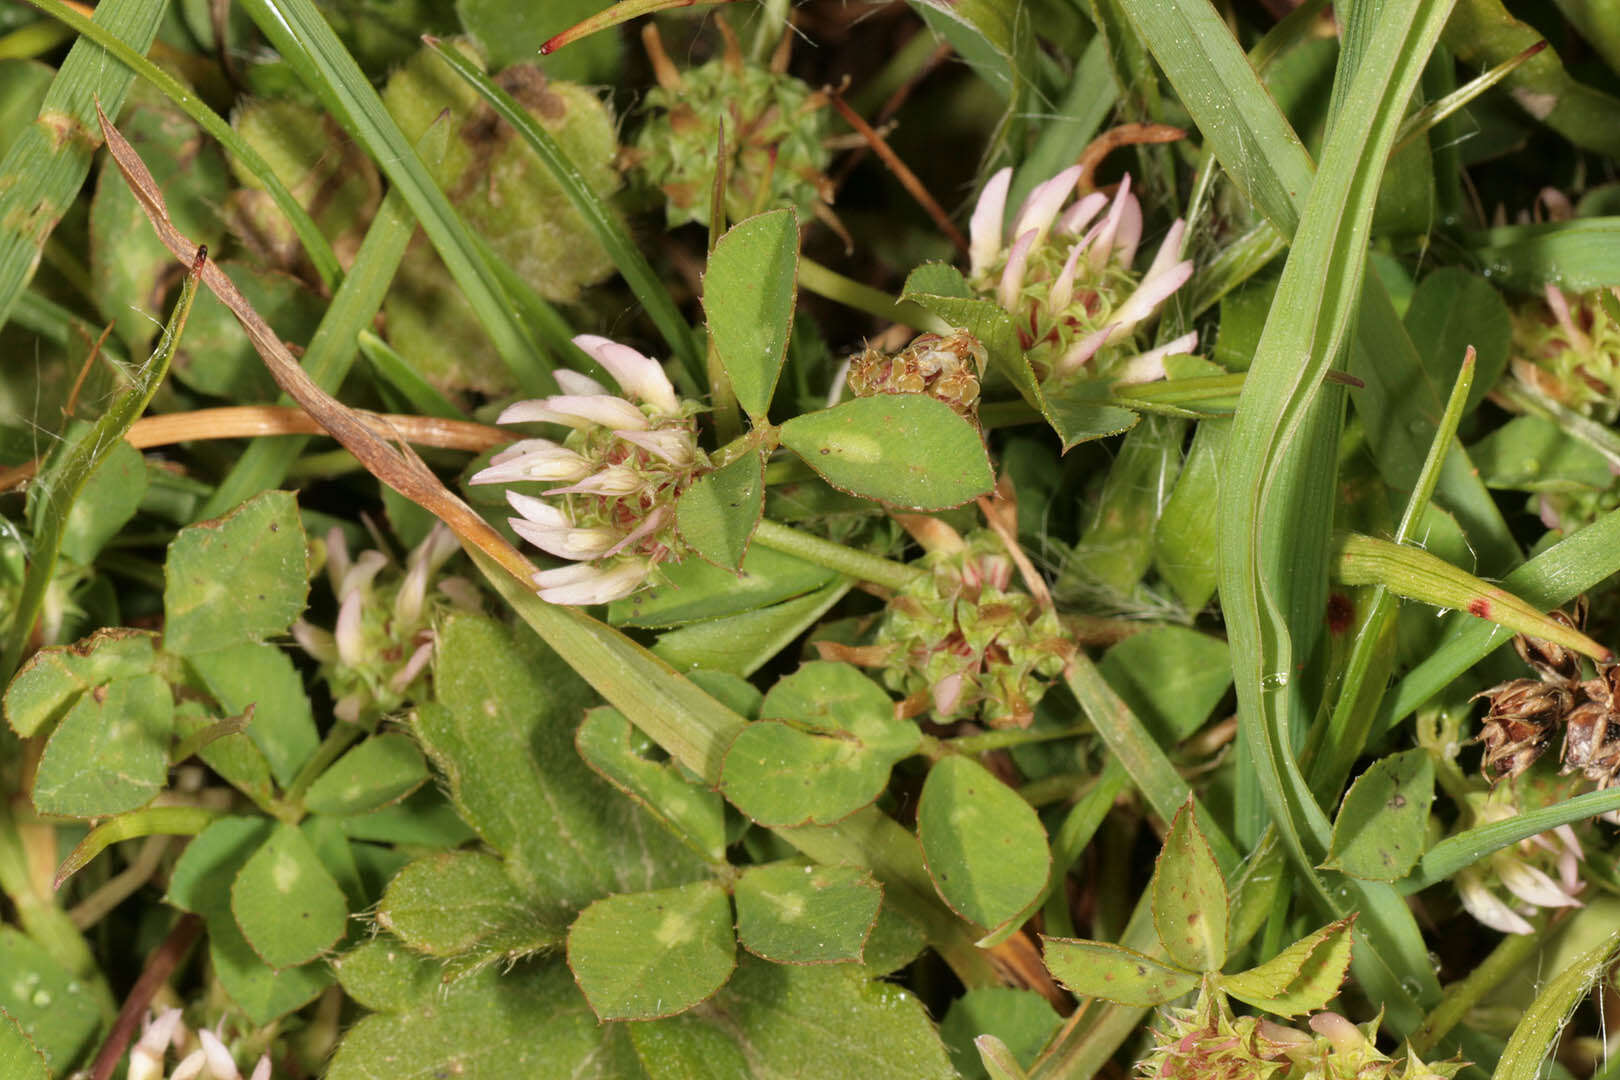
x,y
1512,746
1519,725
1592,742
1551,661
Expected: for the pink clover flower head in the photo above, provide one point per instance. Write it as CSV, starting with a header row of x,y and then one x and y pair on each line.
x,y
378,652
1543,871
1066,276
1567,347
157,1034
623,460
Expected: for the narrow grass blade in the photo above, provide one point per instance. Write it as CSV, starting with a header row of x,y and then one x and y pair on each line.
x,y
1269,466
1417,575
613,15
54,492
299,32
1599,436
1067,131
696,730
394,370
1150,770
1483,34
1463,850
45,168
60,327
1574,255
1432,114
1534,1040
1261,154
610,232
309,234
1553,577
1372,650
831,285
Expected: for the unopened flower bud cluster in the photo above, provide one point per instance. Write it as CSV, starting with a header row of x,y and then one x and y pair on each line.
x,y
1207,1042
969,639
377,657
774,127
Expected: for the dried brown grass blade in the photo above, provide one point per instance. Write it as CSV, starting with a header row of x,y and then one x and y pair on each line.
x,y
254,421
375,443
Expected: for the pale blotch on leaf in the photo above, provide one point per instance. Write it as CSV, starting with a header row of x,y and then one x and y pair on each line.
x,y
674,931
789,907
286,874
854,447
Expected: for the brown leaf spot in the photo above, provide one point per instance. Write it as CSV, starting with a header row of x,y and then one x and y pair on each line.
x,y
63,128
1480,607
1340,611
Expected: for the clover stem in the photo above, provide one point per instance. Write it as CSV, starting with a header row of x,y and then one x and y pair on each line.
x,y
845,560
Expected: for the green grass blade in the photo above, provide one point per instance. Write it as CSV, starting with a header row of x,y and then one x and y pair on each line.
x,y
1415,574
1537,1034
61,327
1578,426
1066,132
1574,255
331,351
397,372
60,480
1234,264
45,168
1133,747
545,322
1268,163
610,232
1269,464
309,234
694,728
1373,648
1483,34
831,285
1235,115
1553,577
1463,850
303,38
